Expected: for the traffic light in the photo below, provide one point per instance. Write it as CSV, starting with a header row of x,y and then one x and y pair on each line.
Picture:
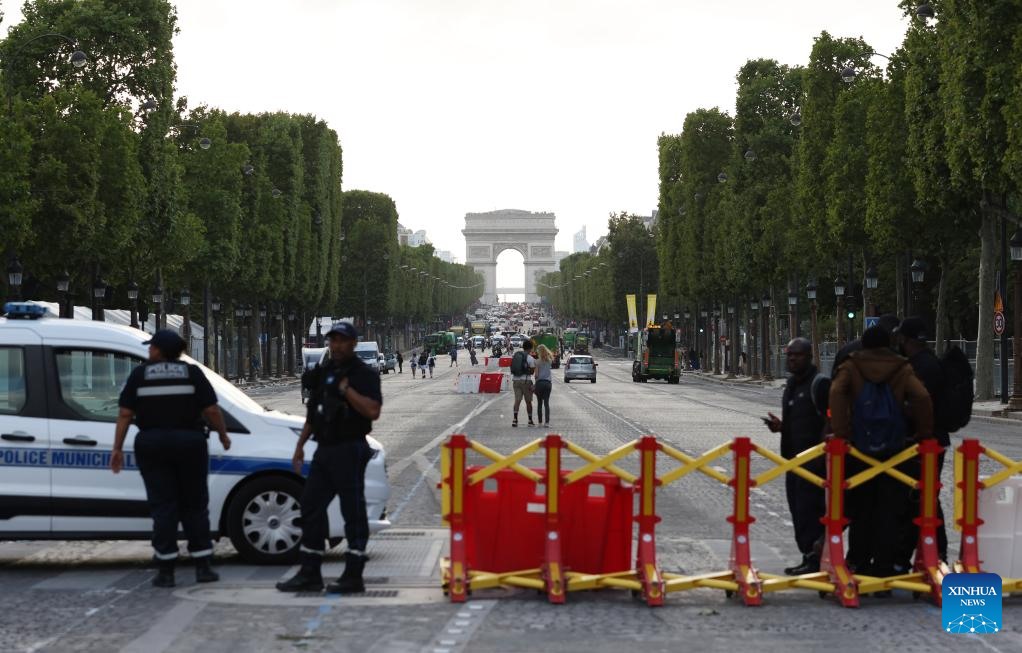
x,y
851,314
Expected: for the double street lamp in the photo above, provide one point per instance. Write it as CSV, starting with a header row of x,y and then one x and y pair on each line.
x,y
15,273
1015,246
133,299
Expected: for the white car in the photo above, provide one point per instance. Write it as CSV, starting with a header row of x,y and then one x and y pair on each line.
x,y
59,386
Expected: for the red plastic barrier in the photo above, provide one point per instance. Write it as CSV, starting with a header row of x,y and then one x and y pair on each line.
x,y
595,514
490,382
505,361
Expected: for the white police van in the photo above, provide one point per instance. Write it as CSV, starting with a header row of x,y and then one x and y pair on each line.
x,y
59,386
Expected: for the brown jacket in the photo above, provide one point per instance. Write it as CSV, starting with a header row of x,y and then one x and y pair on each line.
x,y
876,366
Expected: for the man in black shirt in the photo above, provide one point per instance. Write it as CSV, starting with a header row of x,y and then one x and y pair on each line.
x,y
801,425
911,338
167,399
344,402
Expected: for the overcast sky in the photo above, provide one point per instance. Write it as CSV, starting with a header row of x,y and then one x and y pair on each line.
x,y
456,106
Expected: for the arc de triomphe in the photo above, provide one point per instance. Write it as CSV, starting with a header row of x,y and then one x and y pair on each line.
x,y
489,234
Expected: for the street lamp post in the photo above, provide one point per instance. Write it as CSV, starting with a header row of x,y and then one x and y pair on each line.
x,y
753,344
239,322
133,300
185,300
813,333
291,343
872,281
732,334
793,330
1016,306
768,374
918,272
63,285
157,306
98,293
15,275
839,293
214,308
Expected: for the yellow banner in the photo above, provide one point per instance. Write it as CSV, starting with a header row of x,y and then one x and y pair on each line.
x,y
650,309
633,319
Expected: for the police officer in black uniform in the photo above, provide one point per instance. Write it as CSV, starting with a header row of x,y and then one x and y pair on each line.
x,y
801,425
344,402
167,399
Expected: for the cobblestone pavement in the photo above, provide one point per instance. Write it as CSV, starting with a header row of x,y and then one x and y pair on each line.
x,y
96,596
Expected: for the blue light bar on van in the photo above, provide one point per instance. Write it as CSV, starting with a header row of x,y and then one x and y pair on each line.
x,y
25,311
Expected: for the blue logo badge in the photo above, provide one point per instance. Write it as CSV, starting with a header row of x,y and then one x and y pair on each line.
x,y
971,603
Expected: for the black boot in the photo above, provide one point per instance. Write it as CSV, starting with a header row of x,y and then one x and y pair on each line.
x,y
309,577
810,565
204,571
350,581
165,575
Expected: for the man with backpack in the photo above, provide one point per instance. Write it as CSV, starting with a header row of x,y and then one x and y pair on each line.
x,y
949,382
868,399
801,425
522,368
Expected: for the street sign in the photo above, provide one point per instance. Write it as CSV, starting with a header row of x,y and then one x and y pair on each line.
x,y
871,321
999,323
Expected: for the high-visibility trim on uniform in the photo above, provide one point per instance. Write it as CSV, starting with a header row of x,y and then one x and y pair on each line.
x,y
360,554
166,390
304,549
205,553
164,556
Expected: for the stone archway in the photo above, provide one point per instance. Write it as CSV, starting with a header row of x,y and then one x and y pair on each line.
x,y
531,234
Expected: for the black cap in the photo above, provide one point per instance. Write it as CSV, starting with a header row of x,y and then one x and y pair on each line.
x,y
343,329
167,341
875,337
914,328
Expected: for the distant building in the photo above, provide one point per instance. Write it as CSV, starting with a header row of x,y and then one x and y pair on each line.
x,y
581,244
419,238
558,255
600,243
649,220
404,234
444,255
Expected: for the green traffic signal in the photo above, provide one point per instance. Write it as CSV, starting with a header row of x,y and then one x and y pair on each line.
x,y
851,315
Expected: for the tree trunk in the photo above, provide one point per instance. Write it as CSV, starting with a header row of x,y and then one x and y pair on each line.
x,y
940,320
985,337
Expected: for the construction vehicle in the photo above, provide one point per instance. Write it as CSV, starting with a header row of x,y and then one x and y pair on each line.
x,y
550,340
581,343
657,355
569,338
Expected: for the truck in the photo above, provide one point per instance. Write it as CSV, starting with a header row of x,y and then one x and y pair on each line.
x,y
656,355
550,340
435,343
479,328
458,331
581,343
569,338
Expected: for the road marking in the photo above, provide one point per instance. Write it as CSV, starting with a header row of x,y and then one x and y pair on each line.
x,y
82,580
162,634
457,632
401,465
628,423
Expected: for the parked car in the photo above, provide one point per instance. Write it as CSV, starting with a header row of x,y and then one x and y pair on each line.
x,y
59,387
390,362
311,359
580,367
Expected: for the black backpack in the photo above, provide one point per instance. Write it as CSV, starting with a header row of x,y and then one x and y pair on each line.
x,y
956,403
518,365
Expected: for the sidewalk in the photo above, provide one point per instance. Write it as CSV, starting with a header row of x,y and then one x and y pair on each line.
x,y
992,409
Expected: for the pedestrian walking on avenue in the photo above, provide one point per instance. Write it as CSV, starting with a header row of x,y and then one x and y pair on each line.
x,y
400,363
544,383
423,362
472,357
167,399
415,363
523,367
868,399
802,425
454,356
431,362
344,404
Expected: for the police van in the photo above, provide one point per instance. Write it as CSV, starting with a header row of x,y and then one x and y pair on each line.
x,y
60,381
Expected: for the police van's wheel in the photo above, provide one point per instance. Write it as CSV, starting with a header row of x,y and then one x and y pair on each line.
x,y
262,520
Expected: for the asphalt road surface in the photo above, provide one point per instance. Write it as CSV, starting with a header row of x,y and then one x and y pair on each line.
x,y
96,596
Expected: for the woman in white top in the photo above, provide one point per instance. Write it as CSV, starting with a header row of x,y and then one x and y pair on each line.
x,y
544,383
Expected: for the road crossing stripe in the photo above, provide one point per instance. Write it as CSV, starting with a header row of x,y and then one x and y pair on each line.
x,y
162,634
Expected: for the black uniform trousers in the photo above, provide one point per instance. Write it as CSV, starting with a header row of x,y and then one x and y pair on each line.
x,y
175,467
807,505
336,470
876,510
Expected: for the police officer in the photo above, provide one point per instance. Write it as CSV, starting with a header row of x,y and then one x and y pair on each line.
x,y
344,402
801,425
167,399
